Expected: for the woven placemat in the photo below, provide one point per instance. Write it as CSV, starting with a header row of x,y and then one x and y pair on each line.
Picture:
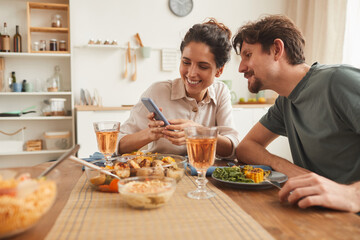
x,y
89,214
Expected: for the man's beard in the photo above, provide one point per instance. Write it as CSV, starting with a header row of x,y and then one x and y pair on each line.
x,y
256,86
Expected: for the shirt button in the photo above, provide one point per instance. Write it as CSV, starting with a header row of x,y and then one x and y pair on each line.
x,y
195,109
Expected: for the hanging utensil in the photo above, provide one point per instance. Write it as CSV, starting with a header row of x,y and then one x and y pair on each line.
x,y
129,52
134,76
126,66
138,39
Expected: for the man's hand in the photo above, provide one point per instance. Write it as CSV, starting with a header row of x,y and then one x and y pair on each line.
x,y
311,189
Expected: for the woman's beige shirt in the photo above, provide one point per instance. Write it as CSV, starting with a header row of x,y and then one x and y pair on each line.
x,y
214,110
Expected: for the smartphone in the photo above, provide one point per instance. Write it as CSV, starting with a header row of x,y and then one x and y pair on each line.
x,y
151,106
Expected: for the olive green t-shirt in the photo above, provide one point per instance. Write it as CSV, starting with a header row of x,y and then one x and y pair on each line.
x,y
321,118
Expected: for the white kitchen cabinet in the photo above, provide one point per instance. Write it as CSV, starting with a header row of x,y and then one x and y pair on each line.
x,y
246,118
85,131
31,66
36,68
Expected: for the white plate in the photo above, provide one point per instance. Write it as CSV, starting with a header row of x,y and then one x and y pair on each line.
x,y
82,97
274,176
88,97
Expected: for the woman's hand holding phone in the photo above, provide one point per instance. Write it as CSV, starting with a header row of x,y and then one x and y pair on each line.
x,y
175,131
160,127
156,127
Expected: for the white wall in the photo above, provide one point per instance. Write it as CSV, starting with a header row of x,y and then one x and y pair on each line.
x,y
158,28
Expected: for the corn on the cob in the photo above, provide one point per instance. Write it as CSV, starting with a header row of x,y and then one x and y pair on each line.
x,y
256,174
246,169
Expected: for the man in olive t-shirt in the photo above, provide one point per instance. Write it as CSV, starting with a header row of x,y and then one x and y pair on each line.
x,y
318,109
321,118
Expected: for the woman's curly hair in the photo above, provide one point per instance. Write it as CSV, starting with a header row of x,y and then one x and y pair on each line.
x,y
216,35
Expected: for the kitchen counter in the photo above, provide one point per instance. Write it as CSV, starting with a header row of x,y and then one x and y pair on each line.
x,y
128,107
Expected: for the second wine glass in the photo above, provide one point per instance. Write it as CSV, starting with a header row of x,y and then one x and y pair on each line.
x,y
201,148
107,133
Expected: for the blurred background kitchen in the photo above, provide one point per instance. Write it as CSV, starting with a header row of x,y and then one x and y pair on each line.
x,y
82,62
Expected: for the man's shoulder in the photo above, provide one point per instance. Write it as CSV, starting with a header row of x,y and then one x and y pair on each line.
x,y
337,69
337,75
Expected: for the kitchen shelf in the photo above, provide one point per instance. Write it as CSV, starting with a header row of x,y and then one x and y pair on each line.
x,y
37,54
34,93
102,46
33,152
33,65
47,30
37,118
48,6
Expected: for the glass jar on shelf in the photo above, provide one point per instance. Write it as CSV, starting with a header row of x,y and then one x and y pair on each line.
x,y
42,45
56,21
35,46
62,45
52,85
53,45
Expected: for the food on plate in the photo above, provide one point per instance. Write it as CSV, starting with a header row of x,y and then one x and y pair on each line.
x,y
122,169
147,192
245,174
23,201
146,165
98,180
256,174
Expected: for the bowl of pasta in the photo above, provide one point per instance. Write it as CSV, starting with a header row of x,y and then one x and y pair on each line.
x,y
24,199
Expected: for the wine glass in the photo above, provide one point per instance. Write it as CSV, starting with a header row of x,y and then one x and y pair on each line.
x,y
107,133
201,148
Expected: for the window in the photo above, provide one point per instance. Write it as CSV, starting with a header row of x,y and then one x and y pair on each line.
x,y
351,50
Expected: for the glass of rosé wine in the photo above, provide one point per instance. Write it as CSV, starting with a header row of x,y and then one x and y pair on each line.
x,y
107,133
201,148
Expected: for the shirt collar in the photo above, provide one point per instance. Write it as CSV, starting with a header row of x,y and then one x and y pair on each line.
x,y
178,91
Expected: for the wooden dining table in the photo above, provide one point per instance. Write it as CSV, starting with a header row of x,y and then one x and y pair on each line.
x,y
281,220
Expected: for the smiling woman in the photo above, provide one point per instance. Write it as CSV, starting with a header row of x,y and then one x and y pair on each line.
x,y
198,69
192,100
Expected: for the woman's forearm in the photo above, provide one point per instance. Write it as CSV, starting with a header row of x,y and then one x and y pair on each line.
x,y
133,142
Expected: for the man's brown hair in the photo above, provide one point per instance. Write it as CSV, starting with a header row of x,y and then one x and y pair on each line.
x,y
269,28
